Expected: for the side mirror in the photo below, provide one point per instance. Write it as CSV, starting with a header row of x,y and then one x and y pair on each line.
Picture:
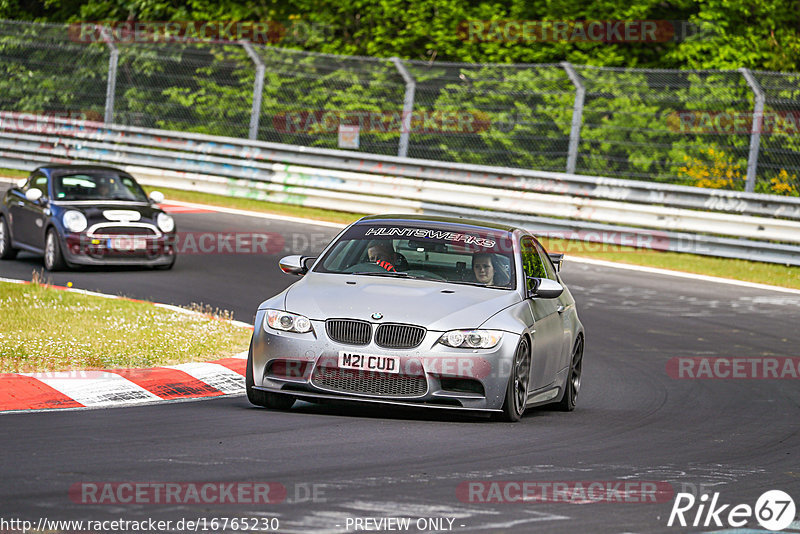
x,y
157,197
295,264
33,194
544,288
557,258
21,182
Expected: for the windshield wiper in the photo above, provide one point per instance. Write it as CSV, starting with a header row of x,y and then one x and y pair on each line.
x,y
478,284
401,274
387,273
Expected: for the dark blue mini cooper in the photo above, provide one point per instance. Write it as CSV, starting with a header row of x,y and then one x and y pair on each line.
x,y
86,215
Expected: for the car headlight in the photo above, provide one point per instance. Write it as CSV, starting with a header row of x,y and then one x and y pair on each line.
x,y
471,339
165,223
74,221
288,322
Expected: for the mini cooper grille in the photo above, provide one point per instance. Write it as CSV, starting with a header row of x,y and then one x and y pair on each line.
x,y
349,331
399,336
369,382
123,230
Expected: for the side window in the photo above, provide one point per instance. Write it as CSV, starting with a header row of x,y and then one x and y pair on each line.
x,y
531,262
39,182
548,265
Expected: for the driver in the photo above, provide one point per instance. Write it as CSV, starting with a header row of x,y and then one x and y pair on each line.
x,y
382,252
111,188
103,189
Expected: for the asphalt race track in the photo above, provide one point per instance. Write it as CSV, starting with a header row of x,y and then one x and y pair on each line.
x,y
634,423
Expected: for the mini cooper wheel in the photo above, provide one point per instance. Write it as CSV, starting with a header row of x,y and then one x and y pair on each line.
x,y
53,257
263,398
573,382
517,389
7,252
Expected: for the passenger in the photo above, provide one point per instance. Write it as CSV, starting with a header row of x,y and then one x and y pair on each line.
x,y
487,269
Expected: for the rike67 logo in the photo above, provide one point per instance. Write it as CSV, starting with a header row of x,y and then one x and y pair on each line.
x,y
774,510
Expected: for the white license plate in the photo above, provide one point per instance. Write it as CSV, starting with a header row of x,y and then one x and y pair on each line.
x,y
127,243
369,362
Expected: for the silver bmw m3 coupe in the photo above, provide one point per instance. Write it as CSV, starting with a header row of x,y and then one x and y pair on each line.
x,y
435,312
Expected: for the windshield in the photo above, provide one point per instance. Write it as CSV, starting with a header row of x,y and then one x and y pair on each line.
x,y
453,253
98,186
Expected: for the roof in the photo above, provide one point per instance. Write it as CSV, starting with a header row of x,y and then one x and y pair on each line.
x,y
62,168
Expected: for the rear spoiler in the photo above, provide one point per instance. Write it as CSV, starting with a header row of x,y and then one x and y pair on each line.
x,y
557,258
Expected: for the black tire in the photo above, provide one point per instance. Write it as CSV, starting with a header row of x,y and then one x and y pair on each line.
x,y
573,382
518,382
262,398
53,257
7,252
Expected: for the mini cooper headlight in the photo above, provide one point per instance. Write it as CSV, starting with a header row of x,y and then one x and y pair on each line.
x,y
74,221
288,322
471,339
165,223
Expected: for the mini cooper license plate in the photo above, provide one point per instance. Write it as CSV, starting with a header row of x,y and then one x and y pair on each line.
x,y
127,243
369,362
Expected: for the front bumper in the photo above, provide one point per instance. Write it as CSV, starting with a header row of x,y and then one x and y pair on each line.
x,y
80,249
431,374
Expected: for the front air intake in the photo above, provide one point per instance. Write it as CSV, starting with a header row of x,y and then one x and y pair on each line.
x,y
349,331
399,336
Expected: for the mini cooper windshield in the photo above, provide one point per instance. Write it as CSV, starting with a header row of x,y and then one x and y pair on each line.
x,y
98,186
453,253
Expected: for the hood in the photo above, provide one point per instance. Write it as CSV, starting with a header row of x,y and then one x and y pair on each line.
x,y
434,305
99,211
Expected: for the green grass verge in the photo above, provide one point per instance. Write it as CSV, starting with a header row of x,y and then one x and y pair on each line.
x,y
45,329
14,173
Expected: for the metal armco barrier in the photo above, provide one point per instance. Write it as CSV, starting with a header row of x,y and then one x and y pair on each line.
x,y
592,209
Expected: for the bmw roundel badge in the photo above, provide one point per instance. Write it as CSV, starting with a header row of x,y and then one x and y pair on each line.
x,y
377,316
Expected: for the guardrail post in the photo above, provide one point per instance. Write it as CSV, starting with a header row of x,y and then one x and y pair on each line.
x,y
258,89
755,131
111,84
408,106
577,116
